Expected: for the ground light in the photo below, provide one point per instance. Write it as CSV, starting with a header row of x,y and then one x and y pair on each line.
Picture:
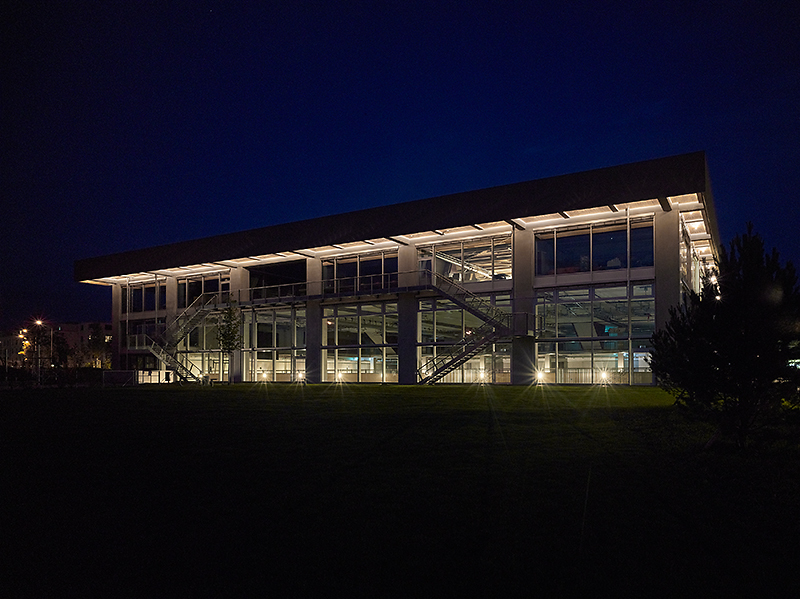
x,y
539,377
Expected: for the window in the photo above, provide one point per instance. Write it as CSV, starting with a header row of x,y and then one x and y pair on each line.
x,y
137,299
597,248
610,248
480,259
545,253
642,244
149,298
572,252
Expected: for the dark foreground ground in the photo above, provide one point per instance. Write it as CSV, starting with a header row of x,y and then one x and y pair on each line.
x,y
387,491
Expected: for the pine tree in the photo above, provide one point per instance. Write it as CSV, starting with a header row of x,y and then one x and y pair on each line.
x,y
730,353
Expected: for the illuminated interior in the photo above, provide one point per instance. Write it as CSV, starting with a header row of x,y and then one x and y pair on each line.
x,y
581,289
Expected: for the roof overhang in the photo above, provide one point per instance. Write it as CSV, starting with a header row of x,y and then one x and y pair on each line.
x,y
548,202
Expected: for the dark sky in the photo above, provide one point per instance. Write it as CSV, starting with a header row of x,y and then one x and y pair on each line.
x,y
131,124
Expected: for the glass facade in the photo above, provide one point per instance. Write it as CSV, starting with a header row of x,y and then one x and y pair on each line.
x,y
469,261
191,288
595,248
441,325
360,342
584,334
595,334
361,273
144,298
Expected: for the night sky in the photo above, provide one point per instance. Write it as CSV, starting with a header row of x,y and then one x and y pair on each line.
x,y
128,124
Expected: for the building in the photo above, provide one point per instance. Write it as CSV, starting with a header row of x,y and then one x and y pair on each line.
x,y
562,280
11,350
86,342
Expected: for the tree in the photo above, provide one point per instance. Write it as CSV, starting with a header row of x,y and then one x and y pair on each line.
x,y
730,353
98,347
61,350
229,333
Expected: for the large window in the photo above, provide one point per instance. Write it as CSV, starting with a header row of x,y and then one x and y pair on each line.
x,y
191,289
474,260
274,342
610,248
595,248
144,298
572,252
359,342
588,334
442,325
369,273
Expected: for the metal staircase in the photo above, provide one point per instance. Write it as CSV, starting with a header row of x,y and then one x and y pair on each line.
x,y
497,323
186,373
165,348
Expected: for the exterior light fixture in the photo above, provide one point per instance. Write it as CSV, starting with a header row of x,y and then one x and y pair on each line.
x,y
540,376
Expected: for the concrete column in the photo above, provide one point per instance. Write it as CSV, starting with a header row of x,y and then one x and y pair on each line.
x,y
407,338
667,264
171,285
314,341
407,265
314,312
235,367
522,299
116,329
523,371
240,283
523,304
314,276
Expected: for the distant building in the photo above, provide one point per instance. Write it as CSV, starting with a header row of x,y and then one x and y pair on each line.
x,y
11,351
560,280
89,342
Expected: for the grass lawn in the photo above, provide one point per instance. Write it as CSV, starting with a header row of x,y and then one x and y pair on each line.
x,y
280,490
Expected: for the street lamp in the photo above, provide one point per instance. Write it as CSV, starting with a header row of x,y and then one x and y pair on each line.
x,y
40,323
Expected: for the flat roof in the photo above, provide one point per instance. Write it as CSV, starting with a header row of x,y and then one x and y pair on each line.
x,y
659,178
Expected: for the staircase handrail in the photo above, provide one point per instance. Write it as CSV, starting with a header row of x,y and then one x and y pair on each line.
x,y
457,354
180,327
476,304
181,370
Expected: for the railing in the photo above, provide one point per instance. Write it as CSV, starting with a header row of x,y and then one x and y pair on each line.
x,y
497,322
192,315
475,304
368,284
190,372
362,285
448,359
284,292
